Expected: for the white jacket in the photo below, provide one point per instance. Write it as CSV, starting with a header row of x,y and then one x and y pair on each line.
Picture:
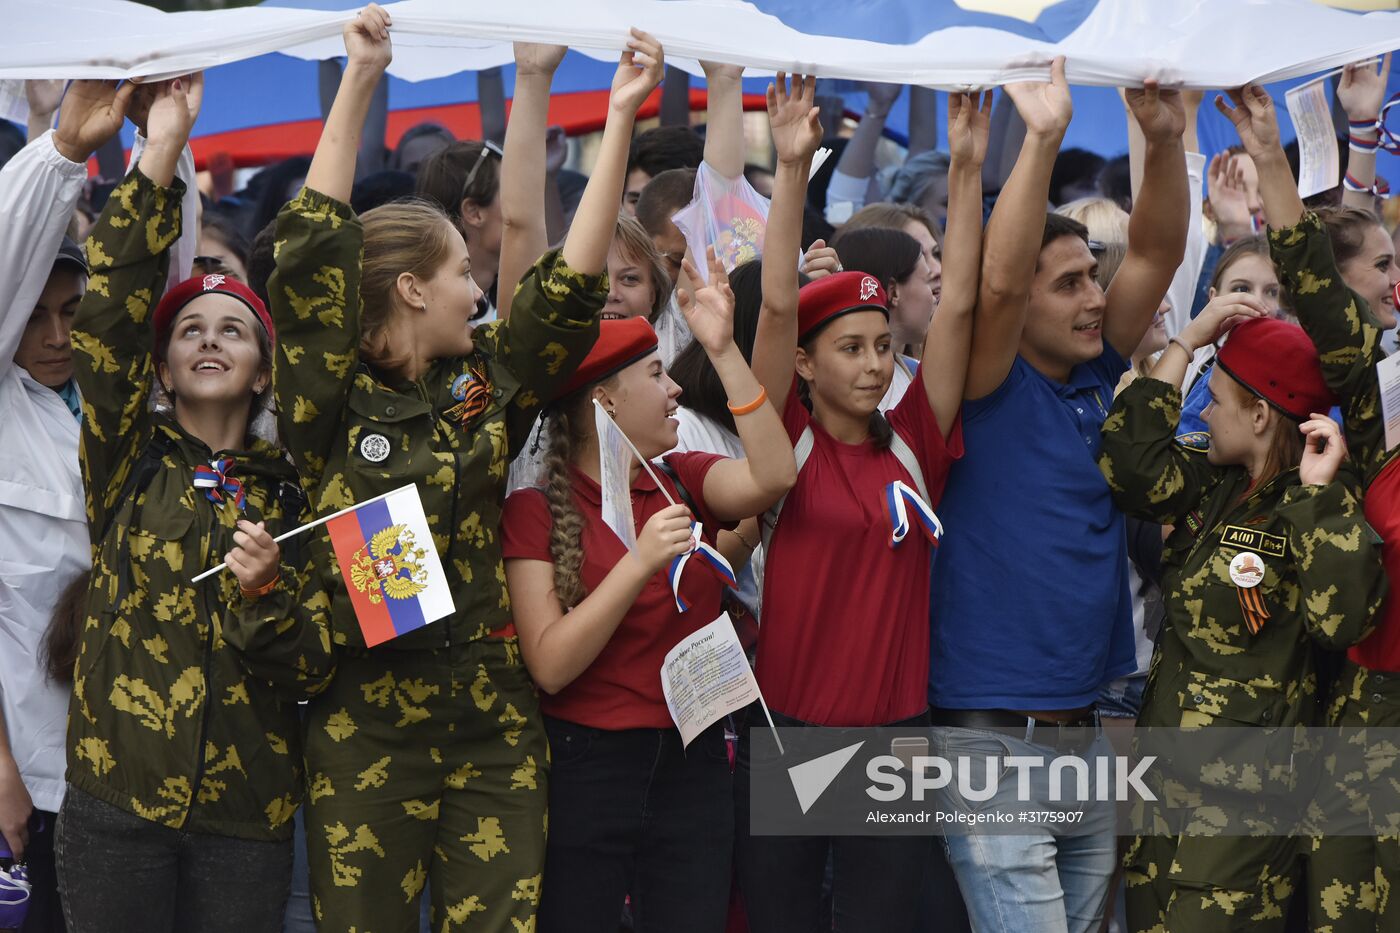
x,y
43,525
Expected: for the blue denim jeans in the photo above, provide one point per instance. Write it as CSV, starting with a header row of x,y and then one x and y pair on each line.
x,y
1053,879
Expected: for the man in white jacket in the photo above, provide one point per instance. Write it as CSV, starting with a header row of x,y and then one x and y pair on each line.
x,y
43,526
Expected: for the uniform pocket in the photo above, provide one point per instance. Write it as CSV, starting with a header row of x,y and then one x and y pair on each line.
x,y
380,435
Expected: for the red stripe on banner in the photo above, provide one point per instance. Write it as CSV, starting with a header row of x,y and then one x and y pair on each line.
x,y
347,538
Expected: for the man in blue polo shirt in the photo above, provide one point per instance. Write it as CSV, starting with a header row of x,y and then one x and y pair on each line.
x,y
1030,610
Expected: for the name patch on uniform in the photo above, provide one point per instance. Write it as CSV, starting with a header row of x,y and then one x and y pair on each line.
x,y
1251,539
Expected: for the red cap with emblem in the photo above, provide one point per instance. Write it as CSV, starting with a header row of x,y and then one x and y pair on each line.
x,y
1277,362
829,297
620,344
192,288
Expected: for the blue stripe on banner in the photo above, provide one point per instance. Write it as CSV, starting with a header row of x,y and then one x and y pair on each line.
x,y
902,22
406,614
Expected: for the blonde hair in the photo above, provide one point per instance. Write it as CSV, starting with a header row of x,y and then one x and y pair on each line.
x,y
1108,224
632,240
409,236
891,216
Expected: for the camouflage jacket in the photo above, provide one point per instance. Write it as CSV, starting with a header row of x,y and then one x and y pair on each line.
x,y
355,432
1347,336
1322,579
184,695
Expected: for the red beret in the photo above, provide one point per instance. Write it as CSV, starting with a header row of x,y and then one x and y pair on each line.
x,y
834,295
192,288
620,344
1277,362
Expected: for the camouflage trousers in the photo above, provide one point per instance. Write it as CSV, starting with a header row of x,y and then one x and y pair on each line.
x,y
1210,884
1351,877
427,766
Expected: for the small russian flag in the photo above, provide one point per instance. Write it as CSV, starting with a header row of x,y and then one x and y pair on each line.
x,y
390,565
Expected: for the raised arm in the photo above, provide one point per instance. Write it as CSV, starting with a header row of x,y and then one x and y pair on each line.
x,y
724,118
797,132
1157,227
846,192
39,188
949,343
524,234
1361,92
314,292
638,73
129,255
368,51
738,489
1012,242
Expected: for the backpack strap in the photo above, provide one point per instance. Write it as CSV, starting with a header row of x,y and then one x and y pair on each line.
x,y
905,455
801,451
686,499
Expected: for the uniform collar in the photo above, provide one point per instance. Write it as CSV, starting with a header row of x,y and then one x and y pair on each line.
x,y
587,488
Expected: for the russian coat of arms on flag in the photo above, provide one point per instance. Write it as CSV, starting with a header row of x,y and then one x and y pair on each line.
x,y
390,565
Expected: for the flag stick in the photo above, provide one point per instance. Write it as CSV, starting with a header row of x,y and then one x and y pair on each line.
x,y
638,454
309,525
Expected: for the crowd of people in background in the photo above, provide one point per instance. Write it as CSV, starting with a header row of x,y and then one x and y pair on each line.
x,y
1123,385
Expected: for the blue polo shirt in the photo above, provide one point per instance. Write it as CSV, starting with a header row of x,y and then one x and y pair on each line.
x,y
1030,606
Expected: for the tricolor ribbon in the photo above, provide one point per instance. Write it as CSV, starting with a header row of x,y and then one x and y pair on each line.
x,y
901,500
214,479
709,557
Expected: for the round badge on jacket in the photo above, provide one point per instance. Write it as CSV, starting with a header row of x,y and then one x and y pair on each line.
x,y
374,448
1247,570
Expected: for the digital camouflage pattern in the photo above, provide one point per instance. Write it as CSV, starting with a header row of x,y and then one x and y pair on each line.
x,y
354,433
1322,584
424,763
1350,879
183,707
427,758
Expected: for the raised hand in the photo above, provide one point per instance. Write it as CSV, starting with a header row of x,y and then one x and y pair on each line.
x,y
664,537
174,107
92,113
1318,467
794,117
969,126
710,313
538,58
1361,90
638,73
714,71
1160,113
1220,314
1045,107
1254,117
367,43
43,96
1229,203
820,260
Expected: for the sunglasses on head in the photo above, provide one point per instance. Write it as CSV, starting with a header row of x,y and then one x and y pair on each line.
x,y
487,148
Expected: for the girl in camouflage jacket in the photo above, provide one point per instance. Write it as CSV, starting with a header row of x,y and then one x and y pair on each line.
x,y
427,758
184,740
1339,267
1266,560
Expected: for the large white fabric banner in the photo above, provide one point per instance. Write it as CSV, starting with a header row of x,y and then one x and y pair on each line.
x,y
1192,43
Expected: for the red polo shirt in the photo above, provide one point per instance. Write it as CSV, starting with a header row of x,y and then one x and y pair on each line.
x,y
621,689
1381,649
844,636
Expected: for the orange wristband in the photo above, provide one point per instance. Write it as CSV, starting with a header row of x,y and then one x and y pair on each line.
x,y
262,590
751,407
